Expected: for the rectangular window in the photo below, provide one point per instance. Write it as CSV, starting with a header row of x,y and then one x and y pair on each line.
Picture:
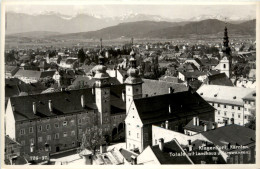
x,y
225,113
56,125
245,117
249,156
57,136
73,133
219,112
72,121
49,137
65,134
232,107
238,108
79,121
65,123
238,115
129,133
39,128
225,106
155,141
218,105
137,135
233,115
32,140
48,127
23,142
39,139
245,109
31,130
22,132
212,104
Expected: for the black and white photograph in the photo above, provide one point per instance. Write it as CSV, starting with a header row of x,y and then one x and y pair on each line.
x,y
140,83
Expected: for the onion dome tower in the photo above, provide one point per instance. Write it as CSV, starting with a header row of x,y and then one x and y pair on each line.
x,y
133,82
102,92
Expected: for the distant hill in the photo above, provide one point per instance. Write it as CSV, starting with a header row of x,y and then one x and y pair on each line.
x,y
33,34
151,29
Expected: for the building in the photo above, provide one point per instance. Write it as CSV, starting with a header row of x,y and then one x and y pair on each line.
x,y
59,119
174,110
32,76
228,102
10,71
218,79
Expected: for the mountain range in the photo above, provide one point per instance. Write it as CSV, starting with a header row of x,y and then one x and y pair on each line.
x,y
84,22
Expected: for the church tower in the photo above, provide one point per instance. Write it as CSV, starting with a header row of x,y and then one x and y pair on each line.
x,y
133,82
226,61
102,92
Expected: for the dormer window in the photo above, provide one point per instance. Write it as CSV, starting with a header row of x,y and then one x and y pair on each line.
x,y
215,95
234,97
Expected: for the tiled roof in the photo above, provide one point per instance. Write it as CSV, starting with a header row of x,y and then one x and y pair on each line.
x,y
63,102
127,154
224,94
250,96
200,127
164,156
156,109
233,134
220,79
208,159
28,73
9,69
194,74
155,87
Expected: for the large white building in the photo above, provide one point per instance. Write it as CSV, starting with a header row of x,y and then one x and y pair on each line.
x,y
228,102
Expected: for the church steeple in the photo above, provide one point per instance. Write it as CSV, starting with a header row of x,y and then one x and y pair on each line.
x,y
226,49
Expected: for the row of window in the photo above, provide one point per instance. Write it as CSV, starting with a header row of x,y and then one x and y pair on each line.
x,y
250,102
56,136
233,114
224,106
48,127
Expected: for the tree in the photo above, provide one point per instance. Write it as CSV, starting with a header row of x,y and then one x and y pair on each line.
x,y
47,81
92,138
81,55
251,124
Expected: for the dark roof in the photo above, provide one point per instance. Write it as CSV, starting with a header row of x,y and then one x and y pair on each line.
x,y
28,73
164,156
233,134
220,79
63,102
47,74
208,159
156,109
127,154
194,74
9,141
151,87
9,69
200,127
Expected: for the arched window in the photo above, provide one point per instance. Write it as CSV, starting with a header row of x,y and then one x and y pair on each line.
x,y
224,66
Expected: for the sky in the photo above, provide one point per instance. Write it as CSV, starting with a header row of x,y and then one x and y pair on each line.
x,y
168,11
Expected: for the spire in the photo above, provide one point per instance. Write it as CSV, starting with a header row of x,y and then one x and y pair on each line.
x,y
100,57
226,49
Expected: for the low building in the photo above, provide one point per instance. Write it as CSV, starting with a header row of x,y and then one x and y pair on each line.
x,y
228,102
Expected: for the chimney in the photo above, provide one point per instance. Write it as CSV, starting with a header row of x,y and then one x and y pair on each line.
x,y
103,148
123,95
190,147
13,107
194,121
166,124
50,105
198,121
205,127
34,108
83,103
133,160
161,144
93,90
170,110
170,90
213,126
